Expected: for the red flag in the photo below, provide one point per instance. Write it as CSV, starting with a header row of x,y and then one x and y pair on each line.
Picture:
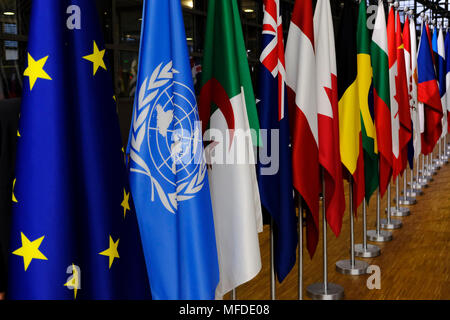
x,y
402,97
394,92
301,82
327,102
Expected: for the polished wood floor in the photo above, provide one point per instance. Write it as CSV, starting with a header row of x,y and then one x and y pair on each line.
x,y
414,265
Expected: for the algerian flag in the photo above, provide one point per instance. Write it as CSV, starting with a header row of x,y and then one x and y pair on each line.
x,y
228,110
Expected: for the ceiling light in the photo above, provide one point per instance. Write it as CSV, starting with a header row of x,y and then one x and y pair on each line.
x,y
9,13
249,10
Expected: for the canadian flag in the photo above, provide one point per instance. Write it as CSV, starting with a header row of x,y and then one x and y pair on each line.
x,y
301,83
327,107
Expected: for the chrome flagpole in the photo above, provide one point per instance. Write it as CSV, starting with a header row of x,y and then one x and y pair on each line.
x,y
324,290
398,211
415,188
272,263
379,235
389,223
352,267
366,250
300,248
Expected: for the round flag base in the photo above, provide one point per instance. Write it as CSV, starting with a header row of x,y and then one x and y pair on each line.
x,y
445,158
420,184
370,251
382,236
400,212
406,201
356,269
394,224
428,173
413,192
425,180
316,291
438,163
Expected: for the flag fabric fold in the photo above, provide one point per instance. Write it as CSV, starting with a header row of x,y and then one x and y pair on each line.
x,y
394,91
276,188
428,94
228,111
447,77
168,177
380,65
441,76
301,83
350,135
366,104
402,98
74,231
328,118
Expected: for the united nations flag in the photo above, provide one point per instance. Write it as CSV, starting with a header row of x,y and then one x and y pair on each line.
x,y
74,233
168,175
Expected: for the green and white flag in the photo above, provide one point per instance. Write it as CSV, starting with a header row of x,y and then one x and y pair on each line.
x,y
228,112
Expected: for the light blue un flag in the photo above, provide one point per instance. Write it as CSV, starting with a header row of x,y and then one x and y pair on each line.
x,y
168,177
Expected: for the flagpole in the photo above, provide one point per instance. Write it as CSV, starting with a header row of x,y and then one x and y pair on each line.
x,y
445,155
352,267
300,247
398,211
366,250
379,235
324,290
272,263
413,191
389,223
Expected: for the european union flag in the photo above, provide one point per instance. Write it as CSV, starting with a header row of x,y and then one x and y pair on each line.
x,y
168,175
74,235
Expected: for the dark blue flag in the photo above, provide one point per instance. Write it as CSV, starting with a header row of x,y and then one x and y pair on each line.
x,y
275,182
74,234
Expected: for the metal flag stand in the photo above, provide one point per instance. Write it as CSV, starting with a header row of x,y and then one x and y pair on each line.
x,y
406,200
425,176
300,248
325,290
379,235
352,267
443,153
389,223
398,211
366,250
415,187
272,263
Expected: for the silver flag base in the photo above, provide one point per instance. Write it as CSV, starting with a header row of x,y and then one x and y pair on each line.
x,y
406,201
413,192
370,251
358,268
421,184
316,291
400,211
394,224
382,236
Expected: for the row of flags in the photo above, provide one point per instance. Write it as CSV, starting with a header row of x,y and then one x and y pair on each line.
x,y
94,221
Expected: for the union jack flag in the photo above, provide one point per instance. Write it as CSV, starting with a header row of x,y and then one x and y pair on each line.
x,y
272,56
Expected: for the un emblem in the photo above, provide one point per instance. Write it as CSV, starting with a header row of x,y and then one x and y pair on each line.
x,y
167,118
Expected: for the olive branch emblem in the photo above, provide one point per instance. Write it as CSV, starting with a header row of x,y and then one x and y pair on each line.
x,y
148,91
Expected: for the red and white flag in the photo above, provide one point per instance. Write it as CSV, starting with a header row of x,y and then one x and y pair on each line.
x,y
395,123
301,82
327,107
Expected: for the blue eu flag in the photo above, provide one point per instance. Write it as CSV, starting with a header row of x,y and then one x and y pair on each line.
x,y
168,175
73,235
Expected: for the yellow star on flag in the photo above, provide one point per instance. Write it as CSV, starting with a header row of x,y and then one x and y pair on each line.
x,y
74,281
30,250
35,70
14,199
111,252
96,58
125,203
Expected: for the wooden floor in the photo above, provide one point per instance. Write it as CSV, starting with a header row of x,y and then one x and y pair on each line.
x,y
414,265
